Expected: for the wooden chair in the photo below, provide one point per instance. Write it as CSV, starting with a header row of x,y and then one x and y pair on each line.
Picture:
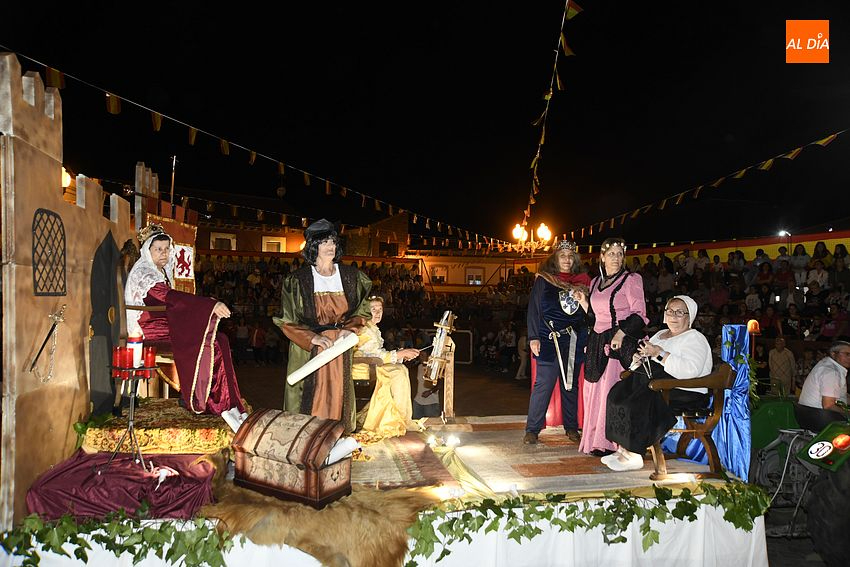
x,y
699,423
363,387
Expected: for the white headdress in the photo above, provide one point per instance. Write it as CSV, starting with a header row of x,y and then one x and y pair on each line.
x,y
144,275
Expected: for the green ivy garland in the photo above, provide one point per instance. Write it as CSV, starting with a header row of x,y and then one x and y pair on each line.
x,y
197,543
742,504
192,542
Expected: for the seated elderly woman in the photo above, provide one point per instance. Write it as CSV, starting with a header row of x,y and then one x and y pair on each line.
x,y
637,417
389,412
190,324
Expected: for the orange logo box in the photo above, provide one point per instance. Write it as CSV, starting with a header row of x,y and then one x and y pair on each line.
x,y
807,41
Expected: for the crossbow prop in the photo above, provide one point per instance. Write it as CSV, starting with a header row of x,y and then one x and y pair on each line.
x,y
435,367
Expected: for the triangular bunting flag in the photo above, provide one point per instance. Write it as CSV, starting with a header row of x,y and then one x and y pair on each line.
x,y
234,210
679,197
573,10
390,210
612,223
193,134
717,182
54,78
281,168
428,223
740,174
156,121
306,179
646,208
532,200
113,104
415,219
662,205
439,227
558,79
224,146
377,205
567,51
792,154
539,120
766,164
327,187
697,191
260,215
343,191
635,213
623,218
252,157
304,222
362,201
826,140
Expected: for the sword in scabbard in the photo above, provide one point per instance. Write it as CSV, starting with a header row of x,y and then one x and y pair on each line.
x,y
57,318
566,376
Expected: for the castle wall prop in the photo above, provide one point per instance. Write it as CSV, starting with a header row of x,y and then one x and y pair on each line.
x,y
48,246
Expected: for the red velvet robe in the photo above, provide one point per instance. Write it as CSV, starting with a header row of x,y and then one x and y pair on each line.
x,y
201,354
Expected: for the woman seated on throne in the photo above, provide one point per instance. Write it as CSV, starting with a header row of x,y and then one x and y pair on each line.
x,y
190,324
389,412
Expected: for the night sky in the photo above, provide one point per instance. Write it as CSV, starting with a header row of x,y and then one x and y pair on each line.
x,y
429,107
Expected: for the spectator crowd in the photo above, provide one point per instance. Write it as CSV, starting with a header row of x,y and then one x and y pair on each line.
x,y
800,297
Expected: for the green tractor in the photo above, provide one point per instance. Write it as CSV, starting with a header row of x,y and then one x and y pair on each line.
x,y
804,469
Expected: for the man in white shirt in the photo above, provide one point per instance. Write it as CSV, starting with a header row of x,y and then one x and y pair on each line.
x,y
824,386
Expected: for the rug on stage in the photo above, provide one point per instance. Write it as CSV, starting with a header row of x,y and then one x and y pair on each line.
x,y
85,487
162,426
399,462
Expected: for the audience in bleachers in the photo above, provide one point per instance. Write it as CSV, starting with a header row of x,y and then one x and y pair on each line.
x,y
797,297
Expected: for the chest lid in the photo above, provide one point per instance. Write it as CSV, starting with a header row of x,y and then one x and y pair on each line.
x,y
292,438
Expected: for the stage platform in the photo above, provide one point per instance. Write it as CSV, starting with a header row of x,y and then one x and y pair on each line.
x,y
483,457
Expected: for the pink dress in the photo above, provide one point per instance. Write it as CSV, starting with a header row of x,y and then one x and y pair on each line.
x,y
628,300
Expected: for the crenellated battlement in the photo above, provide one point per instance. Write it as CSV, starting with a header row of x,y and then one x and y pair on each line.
x,y
28,111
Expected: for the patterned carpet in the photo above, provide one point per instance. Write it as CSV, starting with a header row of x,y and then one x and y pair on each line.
x,y
400,462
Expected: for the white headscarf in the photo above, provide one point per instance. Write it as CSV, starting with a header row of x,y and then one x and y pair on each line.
x,y
143,276
690,305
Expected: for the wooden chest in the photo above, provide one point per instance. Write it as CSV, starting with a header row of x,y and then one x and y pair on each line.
x,y
282,454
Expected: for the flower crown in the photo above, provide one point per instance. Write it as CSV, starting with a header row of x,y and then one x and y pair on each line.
x,y
614,242
149,231
566,245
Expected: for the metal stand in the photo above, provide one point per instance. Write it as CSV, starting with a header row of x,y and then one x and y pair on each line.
x,y
135,449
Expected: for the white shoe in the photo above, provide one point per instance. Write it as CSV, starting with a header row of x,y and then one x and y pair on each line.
x,y
231,420
609,458
628,461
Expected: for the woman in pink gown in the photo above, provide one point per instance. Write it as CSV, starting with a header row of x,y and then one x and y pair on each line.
x,y
189,324
618,315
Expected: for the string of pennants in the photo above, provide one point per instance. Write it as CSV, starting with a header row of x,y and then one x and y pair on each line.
x,y
461,239
56,78
692,193
571,10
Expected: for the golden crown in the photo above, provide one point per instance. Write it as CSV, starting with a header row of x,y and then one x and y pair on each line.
x,y
149,231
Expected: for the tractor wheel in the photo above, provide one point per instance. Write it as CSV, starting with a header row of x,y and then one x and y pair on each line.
x,y
828,517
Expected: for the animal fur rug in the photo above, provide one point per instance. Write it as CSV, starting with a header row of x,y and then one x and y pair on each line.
x,y
366,529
